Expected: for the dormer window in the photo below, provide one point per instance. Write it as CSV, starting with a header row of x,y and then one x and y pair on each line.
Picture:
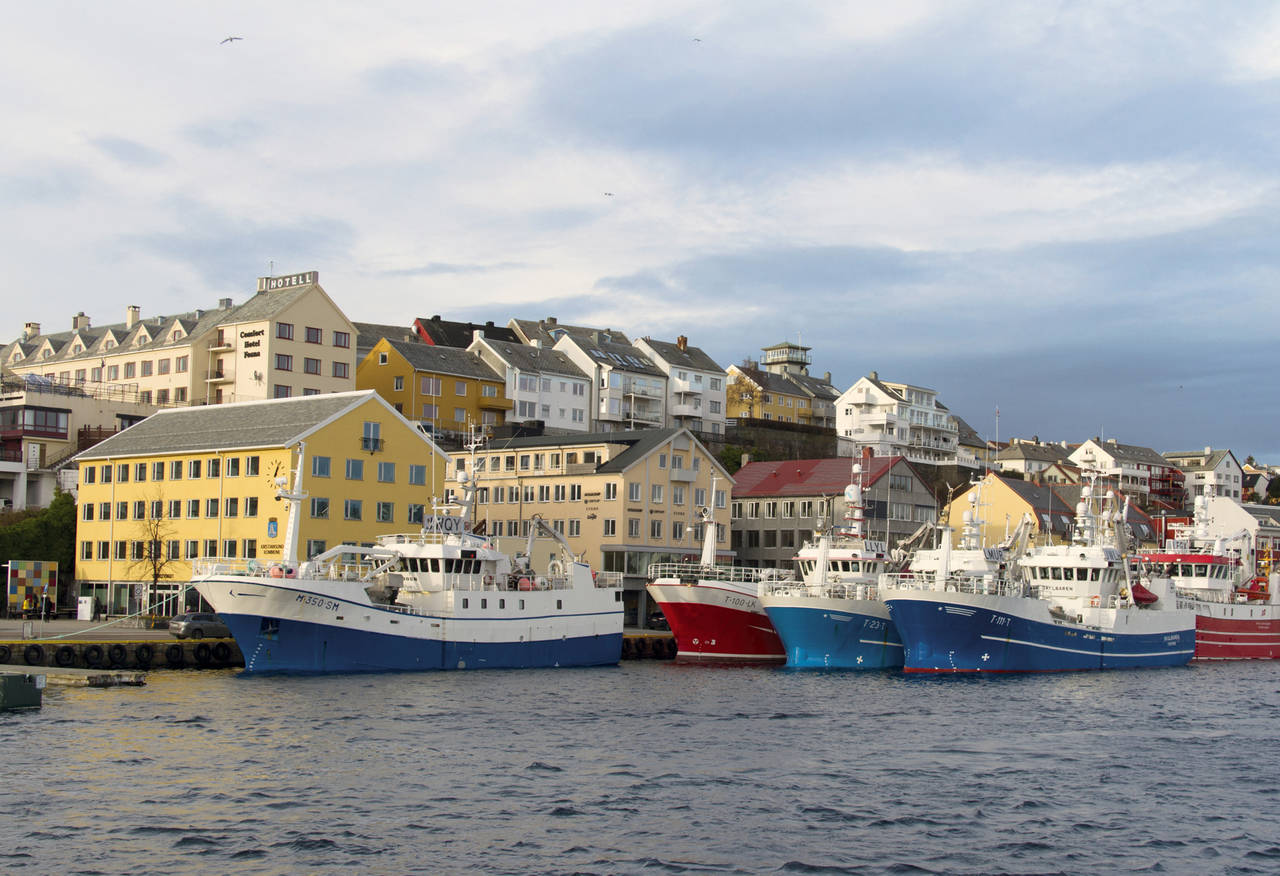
x,y
177,333
77,349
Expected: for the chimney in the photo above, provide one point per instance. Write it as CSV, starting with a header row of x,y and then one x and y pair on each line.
x,y
683,343
550,320
746,458
826,376
79,321
30,330
537,343
1208,451
132,314
874,376
224,303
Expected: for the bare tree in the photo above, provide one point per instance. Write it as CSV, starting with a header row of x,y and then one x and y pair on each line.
x,y
155,531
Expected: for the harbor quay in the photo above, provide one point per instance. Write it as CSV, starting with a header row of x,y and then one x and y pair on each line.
x,y
85,646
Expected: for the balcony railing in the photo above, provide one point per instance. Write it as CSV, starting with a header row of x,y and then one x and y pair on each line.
x,y
372,445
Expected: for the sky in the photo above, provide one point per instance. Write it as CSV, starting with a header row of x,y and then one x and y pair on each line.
x,y
1062,216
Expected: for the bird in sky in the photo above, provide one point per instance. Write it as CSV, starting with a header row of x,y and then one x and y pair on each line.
x,y
697,39
230,39
608,194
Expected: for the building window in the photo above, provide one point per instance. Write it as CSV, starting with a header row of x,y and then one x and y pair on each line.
x,y
193,468
610,527
250,548
341,339
655,494
610,491
193,508
231,507
320,466
250,506
383,358
311,366
87,512
340,370
282,391
91,474
122,510
86,550
575,528
387,472
130,370
180,364
633,527
633,492
146,368
284,331
284,362
319,508
417,513
418,475
210,547
210,507
398,384
315,547
351,509
355,469
214,468
384,512
139,509
122,550
314,335
104,550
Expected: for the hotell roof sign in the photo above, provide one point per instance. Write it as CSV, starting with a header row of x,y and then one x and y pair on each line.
x,y
268,284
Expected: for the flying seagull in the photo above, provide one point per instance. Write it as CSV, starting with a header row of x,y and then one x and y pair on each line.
x,y
697,39
608,194
231,39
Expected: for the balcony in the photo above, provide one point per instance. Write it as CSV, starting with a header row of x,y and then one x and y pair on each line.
x,y
683,475
686,409
221,345
371,445
491,403
220,377
684,385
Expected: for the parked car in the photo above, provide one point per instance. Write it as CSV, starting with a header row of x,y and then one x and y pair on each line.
x,y
658,621
197,625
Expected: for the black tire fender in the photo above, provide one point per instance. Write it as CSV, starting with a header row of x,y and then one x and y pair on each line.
x,y
144,655
173,655
203,654
34,655
222,652
118,654
92,655
65,656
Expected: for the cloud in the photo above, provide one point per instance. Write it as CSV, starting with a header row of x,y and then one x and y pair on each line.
x,y
129,152
434,268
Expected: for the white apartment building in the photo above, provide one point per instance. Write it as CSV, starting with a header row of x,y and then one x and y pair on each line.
x,y
895,419
543,384
1210,472
695,384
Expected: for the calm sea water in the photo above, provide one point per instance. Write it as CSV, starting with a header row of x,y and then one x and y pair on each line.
x,y
650,767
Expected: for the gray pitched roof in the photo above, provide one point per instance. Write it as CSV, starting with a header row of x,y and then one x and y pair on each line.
x,y
528,359
369,333
444,360
1197,460
449,333
689,357
813,386
1033,452
966,435
549,332
1132,452
265,305
640,443
619,356
270,423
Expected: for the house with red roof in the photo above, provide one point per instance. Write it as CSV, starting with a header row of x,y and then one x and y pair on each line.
x,y
776,505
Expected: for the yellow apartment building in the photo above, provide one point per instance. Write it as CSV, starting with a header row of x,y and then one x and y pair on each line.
x,y
288,339
446,389
202,481
762,395
623,500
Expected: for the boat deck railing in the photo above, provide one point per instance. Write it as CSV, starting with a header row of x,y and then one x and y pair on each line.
x,y
336,571
698,572
824,590
988,585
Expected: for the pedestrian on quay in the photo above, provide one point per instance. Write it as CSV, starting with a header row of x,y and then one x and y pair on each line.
x,y
28,606
97,609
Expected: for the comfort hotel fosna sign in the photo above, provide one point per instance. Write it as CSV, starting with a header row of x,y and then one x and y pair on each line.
x,y
270,284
